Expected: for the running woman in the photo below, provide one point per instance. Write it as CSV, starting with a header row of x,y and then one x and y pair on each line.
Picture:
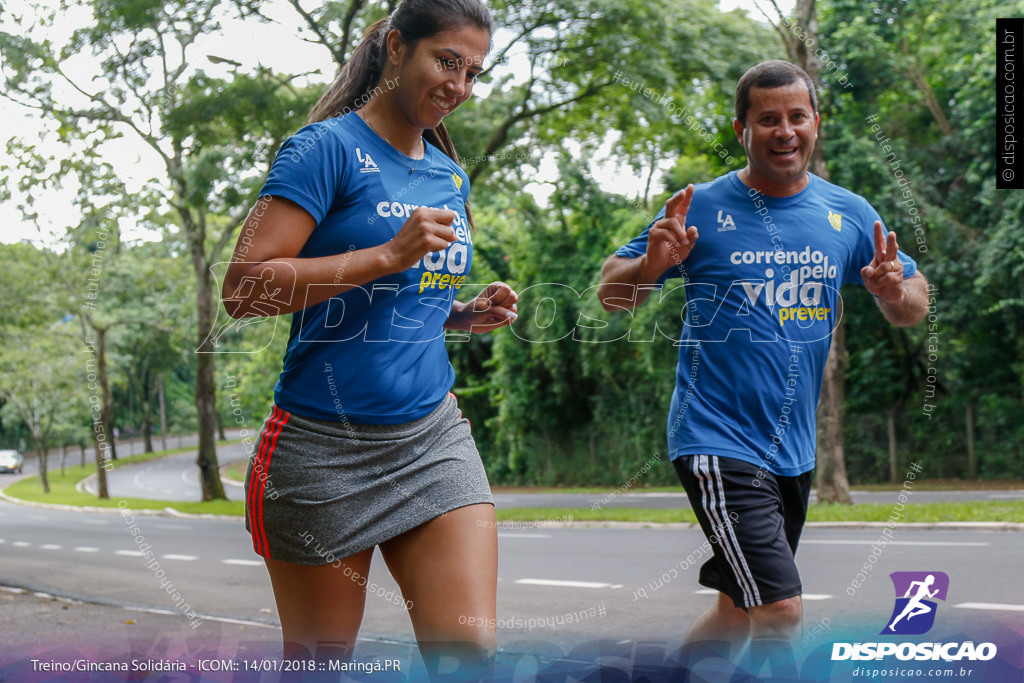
x,y
763,252
364,234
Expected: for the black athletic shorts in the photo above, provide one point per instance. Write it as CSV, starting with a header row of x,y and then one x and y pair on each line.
x,y
753,523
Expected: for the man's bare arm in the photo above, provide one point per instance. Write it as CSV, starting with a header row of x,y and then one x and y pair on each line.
x,y
911,309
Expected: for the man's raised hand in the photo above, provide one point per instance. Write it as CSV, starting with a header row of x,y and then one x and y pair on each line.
x,y
883,277
669,241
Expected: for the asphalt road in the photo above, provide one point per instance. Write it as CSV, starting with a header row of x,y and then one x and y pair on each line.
x,y
559,588
175,477
632,578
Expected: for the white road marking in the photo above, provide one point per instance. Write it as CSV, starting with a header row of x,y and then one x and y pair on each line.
x,y
86,549
21,544
97,522
563,584
654,494
500,535
244,563
991,606
50,546
129,553
934,543
805,596
183,558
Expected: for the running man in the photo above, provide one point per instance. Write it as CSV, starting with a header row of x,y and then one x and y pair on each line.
x,y
915,607
762,252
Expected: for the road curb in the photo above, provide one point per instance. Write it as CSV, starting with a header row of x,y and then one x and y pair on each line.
x,y
947,526
228,481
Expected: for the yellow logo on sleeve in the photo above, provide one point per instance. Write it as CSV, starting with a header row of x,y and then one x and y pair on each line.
x,y
836,219
458,181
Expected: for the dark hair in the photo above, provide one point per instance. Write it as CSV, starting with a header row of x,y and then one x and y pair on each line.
x,y
413,19
774,73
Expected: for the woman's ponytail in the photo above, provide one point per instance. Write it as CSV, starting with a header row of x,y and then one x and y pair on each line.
x,y
358,78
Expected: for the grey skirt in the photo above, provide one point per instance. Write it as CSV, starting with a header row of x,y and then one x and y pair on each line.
x,y
317,491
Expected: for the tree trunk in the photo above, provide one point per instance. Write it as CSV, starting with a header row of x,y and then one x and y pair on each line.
x,y
81,447
63,457
832,484
147,428
163,412
147,414
43,478
101,443
206,387
890,416
972,459
831,481
220,427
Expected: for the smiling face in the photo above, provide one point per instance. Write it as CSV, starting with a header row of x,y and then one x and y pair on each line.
x,y
778,138
437,74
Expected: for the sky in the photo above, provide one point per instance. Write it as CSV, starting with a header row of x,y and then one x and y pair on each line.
x,y
245,44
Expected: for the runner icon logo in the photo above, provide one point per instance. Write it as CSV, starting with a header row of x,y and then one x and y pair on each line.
x,y
914,612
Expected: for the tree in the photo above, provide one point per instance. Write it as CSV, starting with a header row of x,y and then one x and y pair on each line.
x,y
35,385
209,134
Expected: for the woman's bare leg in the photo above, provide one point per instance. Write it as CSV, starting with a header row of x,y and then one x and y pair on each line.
x,y
320,607
448,569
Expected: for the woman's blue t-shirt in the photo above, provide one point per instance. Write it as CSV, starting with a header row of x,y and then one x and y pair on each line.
x,y
374,354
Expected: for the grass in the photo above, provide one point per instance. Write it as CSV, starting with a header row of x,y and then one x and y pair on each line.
x,y
607,514
919,485
602,490
63,492
236,470
969,511
959,511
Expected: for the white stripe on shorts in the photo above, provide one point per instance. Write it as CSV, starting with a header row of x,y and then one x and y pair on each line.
x,y
705,468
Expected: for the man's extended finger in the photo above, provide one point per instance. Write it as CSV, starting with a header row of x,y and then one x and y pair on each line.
x,y
879,242
892,248
679,204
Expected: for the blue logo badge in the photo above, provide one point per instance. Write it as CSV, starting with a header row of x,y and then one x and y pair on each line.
x,y
914,612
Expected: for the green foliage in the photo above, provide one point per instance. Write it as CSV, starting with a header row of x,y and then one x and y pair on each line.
x,y
570,394
923,72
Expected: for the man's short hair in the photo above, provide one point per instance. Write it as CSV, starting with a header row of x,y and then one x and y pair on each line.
x,y
774,73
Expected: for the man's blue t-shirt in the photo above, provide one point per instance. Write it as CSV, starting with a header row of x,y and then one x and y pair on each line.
x,y
374,354
761,298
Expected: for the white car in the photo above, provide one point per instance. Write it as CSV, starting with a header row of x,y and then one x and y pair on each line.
x,y
11,461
